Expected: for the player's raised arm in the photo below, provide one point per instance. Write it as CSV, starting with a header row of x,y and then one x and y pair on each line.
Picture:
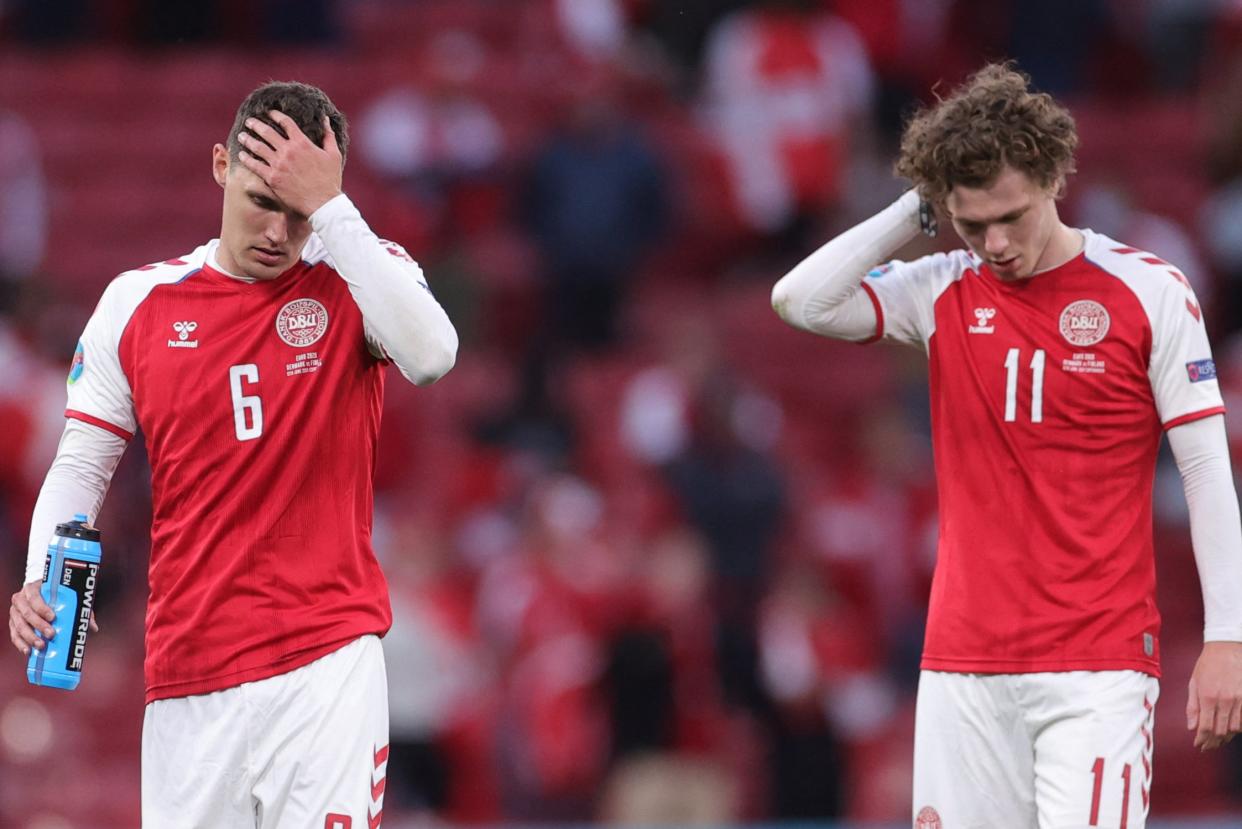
x,y
823,293
403,321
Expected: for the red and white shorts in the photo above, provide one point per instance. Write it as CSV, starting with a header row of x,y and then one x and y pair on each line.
x,y
303,750
1033,751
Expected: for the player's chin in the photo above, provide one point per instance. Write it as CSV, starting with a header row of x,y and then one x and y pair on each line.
x,y
265,266
1012,269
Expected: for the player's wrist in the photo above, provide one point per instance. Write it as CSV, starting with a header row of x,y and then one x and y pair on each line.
x,y
316,203
917,213
330,209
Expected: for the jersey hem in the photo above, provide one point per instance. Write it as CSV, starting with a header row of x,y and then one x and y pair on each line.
x,y
222,683
879,316
102,424
1193,416
1001,666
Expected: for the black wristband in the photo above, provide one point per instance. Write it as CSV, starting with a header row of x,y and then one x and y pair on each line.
x,y
927,218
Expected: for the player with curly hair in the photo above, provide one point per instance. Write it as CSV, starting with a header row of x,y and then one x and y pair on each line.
x,y
1058,358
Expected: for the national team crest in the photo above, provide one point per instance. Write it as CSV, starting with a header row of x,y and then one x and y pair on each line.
x,y
928,818
302,322
1084,322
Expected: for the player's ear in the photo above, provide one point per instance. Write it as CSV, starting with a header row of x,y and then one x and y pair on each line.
x,y
220,163
1058,188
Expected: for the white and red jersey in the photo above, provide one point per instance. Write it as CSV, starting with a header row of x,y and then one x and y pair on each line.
x,y
1049,396
260,403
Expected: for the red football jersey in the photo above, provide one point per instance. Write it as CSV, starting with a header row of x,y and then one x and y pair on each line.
x,y
260,403
1048,398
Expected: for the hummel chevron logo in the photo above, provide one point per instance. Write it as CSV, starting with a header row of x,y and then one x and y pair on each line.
x,y
184,329
1192,304
983,320
379,780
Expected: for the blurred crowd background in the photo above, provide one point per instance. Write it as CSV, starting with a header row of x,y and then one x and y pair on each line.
x,y
653,556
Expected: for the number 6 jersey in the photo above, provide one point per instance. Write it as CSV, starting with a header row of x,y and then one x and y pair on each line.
x,y
260,402
1048,396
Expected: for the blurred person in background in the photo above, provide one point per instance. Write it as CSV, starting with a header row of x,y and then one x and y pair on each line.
x,y
23,199
1057,358
711,436
433,134
25,338
549,609
786,88
1076,26
594,30
255,368
437,667
1221,216
32,384
809,639
595,202
731,489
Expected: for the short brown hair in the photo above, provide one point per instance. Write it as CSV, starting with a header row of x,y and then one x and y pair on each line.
x,y
992,120
305,104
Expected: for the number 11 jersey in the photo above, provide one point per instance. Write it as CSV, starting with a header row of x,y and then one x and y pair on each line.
x,y
260,404
1049,397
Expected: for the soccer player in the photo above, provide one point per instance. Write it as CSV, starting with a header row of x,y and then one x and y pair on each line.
x,y
1057,357
255,368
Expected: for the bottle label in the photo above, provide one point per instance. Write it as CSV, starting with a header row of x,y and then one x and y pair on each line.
x,y
79,576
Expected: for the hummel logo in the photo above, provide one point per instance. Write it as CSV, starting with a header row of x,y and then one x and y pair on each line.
x,y
983,316
184,330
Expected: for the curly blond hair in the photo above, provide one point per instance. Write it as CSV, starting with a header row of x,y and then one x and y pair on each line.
x,y
992,120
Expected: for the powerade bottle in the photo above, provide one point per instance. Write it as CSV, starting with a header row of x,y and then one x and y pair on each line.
x,y
69,577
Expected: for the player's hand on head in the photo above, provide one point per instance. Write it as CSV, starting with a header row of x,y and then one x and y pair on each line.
x,y
302,175
28,613
1214,707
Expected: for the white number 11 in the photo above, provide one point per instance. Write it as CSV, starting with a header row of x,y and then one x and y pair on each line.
x,y
244,404
1037,386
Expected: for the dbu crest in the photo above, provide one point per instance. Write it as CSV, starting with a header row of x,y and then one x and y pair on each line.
x,y
302,322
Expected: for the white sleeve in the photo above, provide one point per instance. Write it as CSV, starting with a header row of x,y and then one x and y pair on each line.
x,y
76,483
824,294
905,294
402,320
1202,453
1181,369
98,390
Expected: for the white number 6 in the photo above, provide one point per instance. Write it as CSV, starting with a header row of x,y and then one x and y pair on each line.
x,y
242,402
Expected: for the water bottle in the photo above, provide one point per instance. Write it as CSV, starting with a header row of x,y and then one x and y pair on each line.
x,y
69,576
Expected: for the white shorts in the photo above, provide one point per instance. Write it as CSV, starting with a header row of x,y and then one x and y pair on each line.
x,y
303,750
1033,751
